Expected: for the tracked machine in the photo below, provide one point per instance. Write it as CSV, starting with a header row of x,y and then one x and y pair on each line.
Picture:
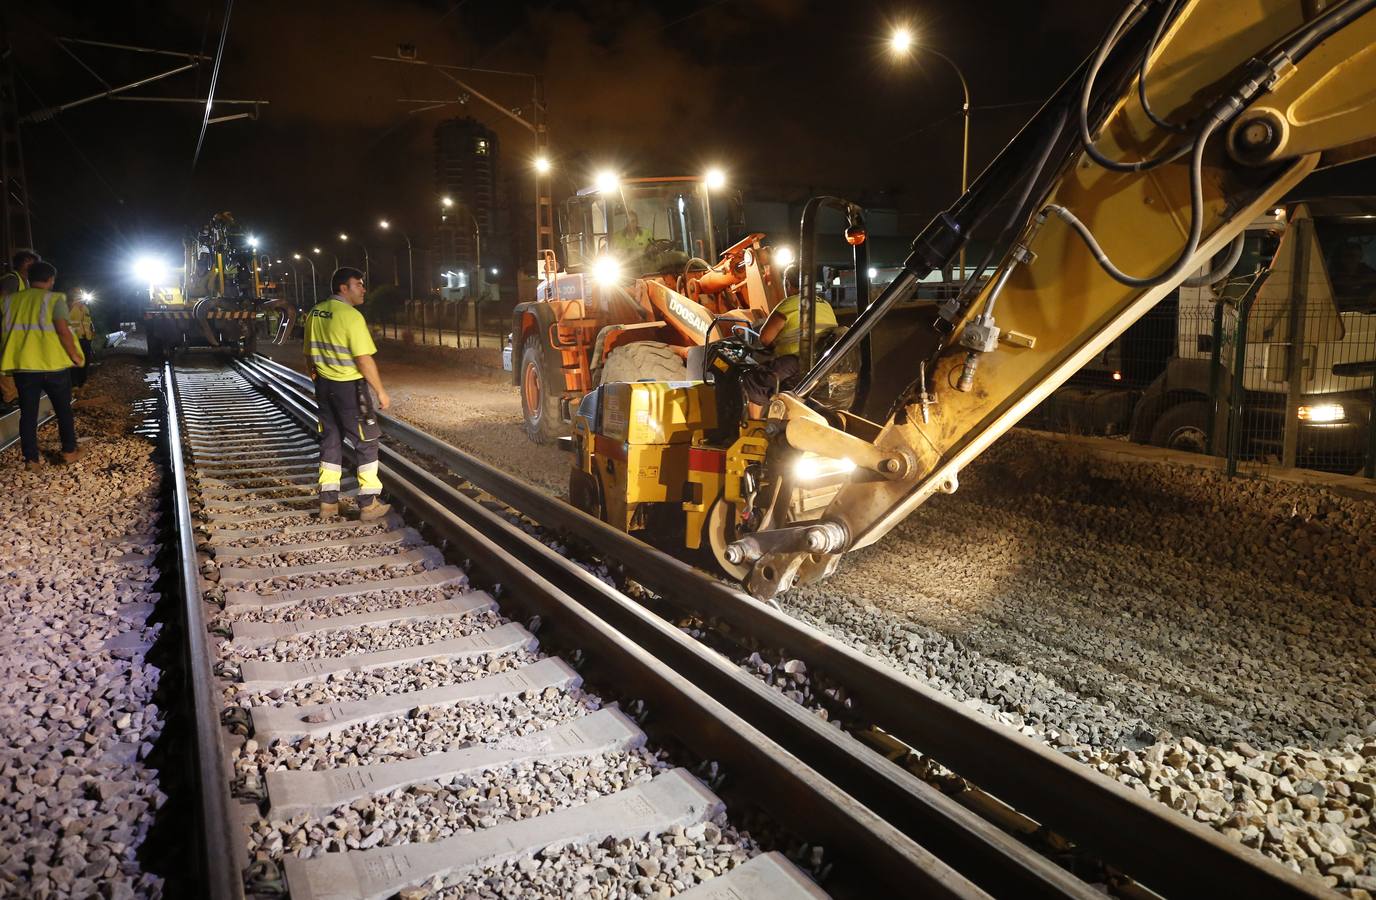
x,y
217,301
1144,170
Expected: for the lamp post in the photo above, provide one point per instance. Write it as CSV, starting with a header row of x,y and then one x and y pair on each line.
x,y
315,294
410,261
448,203
901,42
367,264
335,257
295,276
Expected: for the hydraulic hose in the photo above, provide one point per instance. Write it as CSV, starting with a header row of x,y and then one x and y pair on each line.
x,y
1182,262
1119,27
1142,72
1219,272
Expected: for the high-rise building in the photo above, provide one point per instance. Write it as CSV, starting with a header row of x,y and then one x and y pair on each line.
x,y
466,172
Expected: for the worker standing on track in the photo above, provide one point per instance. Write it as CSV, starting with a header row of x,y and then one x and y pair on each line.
x,y
12,283
37,347
339,357
79,320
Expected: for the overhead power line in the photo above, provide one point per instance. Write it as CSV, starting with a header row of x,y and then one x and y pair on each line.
x,y
214,79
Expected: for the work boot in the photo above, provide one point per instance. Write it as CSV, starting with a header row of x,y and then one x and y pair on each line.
x,y
33,465
329,510
374,510
73,456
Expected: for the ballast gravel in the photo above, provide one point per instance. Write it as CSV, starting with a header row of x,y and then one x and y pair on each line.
x,y
436,810
421,731
76,694
365,639
662,866
373,601
346,686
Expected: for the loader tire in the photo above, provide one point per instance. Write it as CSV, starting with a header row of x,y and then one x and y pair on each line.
x,y
644,361
540,392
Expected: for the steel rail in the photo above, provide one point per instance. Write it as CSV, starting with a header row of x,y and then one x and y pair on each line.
x,y
222,878
986,855
787,788
1157,846
9,423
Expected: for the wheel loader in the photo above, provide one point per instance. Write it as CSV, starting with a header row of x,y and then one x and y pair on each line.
x,y
1141,173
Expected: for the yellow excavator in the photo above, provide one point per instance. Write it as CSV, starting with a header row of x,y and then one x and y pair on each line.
x,y
1191,119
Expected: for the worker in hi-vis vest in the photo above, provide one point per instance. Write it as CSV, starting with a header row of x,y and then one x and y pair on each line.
x,y
12,282
348,390
37,348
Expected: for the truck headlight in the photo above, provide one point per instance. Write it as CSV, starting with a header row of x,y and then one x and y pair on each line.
x,y
814,468
1323,413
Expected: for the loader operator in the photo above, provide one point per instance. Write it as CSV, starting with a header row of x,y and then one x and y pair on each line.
x,y
339,357
782,333
632,240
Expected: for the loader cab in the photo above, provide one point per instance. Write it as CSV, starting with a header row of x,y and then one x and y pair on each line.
x,y
649,226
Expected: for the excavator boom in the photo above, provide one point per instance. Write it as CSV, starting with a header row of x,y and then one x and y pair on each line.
x,y
1193,118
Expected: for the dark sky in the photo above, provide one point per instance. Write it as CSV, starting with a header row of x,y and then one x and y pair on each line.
x,y
781,93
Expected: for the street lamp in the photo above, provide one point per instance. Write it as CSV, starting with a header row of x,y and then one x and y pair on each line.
x,y
410,262
315,296
542,165
715,179
335,257
295,277
901,42
448,203
367,264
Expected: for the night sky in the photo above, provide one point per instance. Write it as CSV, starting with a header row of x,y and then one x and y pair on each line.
x,y
784,95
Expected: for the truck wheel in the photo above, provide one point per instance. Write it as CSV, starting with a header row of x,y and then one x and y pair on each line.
x,y
644,361
1184,426
539,396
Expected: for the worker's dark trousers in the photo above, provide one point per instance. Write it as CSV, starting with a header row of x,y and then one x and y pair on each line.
x,y
346,408
32,386
80,373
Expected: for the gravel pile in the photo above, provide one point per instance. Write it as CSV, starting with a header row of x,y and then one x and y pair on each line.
x,y
436,810
364,639
662,866
1120,603
76,800
1311,810
344,686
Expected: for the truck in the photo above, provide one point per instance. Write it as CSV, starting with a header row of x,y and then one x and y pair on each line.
x,y
1170,382
215,299
1187,124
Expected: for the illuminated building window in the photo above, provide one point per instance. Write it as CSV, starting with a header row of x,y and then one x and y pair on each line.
x,y
481,147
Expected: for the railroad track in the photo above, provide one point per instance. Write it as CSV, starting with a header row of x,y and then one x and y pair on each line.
x,y
368,683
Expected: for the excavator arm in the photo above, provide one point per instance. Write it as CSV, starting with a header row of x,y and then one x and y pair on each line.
x,y
1192,118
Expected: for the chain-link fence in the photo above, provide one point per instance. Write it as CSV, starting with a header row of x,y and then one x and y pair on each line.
x,y
1275,366
456,323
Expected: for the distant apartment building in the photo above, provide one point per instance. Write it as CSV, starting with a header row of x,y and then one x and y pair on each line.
x,y
467,172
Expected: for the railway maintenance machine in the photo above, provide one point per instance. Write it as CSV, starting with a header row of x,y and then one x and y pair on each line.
x,y
216,299
1188,123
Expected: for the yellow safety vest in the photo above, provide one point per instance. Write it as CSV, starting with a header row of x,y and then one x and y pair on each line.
x,y
789,341
79,318
335,334
31,342
630,243
19,276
